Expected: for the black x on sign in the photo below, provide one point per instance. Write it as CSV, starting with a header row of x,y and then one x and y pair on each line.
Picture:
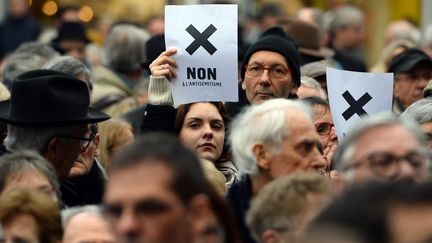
x,y
201,39
356,106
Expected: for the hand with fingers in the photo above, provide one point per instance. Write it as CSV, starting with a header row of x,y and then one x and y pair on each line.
x,y
164,65
329,152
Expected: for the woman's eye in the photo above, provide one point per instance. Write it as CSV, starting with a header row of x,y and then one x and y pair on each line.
x,y
194,125
217,127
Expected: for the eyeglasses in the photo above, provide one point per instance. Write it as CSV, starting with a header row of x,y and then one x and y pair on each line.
x,y
323,128
388,166
275,71
85,141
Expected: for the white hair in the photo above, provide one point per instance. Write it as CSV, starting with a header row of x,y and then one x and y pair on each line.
x,y
346,16
347,148
69,213
419,111
313,84
125,47
266,123
33,138
71,66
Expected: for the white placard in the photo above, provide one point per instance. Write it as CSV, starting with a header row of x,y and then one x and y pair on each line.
x,y
205,37
353,94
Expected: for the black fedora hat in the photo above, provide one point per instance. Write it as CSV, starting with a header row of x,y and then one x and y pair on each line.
x,y
42,98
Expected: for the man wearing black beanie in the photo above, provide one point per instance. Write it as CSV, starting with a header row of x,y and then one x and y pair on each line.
x,y
271,69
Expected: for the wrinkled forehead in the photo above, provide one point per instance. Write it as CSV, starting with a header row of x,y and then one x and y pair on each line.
x,y
268,58
393,138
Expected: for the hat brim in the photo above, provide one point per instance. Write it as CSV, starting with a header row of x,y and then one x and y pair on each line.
x,y
322,52
93,116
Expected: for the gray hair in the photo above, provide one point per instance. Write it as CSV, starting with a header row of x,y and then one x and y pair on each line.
x,y
347,147
69,213
419,111
72,66
266,123
33,138
346,16
125,47
37,48
25,159
27,57
313,84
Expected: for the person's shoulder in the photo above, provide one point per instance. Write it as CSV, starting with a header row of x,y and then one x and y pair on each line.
x,y
239,189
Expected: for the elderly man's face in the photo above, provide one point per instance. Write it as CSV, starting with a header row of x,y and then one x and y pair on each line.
x,y
149,210
85,160
388,152
66,150
268,84
408,87
299,150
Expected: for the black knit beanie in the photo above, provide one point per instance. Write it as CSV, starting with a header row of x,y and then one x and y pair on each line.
x,y
275,39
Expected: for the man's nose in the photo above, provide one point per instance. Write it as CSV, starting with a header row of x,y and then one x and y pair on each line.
x,y
407,170
265,77
317,162
127,225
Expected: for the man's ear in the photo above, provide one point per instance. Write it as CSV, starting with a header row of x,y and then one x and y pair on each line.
x,y
270,236
97,145
262,156
203,221
52,149
243,85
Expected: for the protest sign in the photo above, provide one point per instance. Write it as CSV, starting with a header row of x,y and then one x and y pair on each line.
x,y
205,37
354,94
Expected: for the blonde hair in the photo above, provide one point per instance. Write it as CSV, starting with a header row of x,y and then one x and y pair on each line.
x,y
280,203
109,132
215,178
39,206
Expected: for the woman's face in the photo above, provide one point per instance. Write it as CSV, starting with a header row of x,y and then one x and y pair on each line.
x,y
324,126
204,131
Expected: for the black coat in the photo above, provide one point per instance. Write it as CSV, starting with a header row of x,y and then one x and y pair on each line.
x,y
83,190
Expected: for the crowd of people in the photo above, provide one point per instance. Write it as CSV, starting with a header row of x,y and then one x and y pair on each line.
x,y
94,150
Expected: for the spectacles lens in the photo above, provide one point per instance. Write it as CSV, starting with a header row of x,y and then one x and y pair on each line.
x,y
274,71
323,128
384,165
254,70
417,160
84,144
278,72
